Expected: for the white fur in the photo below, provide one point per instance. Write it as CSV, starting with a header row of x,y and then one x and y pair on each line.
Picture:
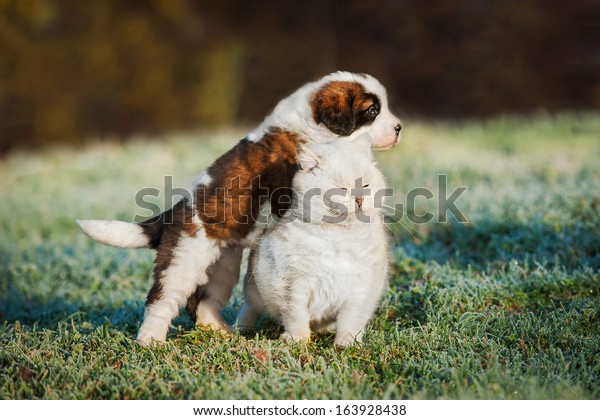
x,y
313,273
115,233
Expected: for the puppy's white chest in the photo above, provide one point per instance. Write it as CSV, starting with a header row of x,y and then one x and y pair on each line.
x,y
342,268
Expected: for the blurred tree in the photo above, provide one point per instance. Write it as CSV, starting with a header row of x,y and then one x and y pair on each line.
x,y
72,70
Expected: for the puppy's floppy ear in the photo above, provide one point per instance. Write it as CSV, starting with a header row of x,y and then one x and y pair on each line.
x,y
332,106
307,159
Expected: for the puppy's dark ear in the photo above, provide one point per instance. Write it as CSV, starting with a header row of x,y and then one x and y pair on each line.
x,y
332,107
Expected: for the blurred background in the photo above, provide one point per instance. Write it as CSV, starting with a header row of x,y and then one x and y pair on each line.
x,y
73,71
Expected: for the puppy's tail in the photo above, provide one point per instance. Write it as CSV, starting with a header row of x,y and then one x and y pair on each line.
x,y
124,235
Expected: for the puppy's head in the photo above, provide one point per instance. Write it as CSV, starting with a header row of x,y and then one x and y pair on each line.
x,y
351,104
338,179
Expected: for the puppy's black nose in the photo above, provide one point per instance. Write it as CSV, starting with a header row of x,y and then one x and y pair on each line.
x,y
397,128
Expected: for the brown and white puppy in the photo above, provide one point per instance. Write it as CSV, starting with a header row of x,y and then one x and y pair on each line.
x,y
199,243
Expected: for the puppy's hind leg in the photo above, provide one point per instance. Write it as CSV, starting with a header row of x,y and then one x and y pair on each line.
x,y
247,317
180,267
250,312
206,303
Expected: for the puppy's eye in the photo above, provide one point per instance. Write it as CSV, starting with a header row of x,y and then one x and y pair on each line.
x,y
345,189
372,110
365,186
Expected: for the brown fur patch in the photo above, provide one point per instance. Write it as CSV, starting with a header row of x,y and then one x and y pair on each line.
x,y
243,179
342,106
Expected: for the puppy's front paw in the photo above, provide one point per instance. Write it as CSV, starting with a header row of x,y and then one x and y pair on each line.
x,y
146,339
347,339
294,338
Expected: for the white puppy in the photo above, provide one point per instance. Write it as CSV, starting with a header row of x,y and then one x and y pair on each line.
x,y
325,263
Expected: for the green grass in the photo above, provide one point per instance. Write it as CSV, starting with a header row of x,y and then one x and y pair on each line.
x,y
507,306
